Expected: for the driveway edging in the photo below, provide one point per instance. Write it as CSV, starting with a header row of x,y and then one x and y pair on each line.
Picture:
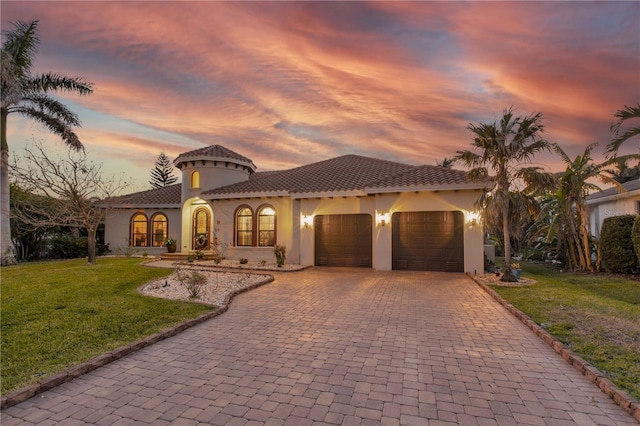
x,y
22,394
624,400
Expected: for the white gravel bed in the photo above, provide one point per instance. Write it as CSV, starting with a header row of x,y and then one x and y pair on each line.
x,y
217,290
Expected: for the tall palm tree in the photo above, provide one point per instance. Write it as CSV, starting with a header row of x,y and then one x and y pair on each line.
x,y
570,224
627,113
504,148
29,96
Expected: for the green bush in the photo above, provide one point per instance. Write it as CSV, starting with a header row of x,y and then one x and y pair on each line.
x,y
616,244
635,236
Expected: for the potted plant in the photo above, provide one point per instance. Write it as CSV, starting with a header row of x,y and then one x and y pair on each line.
x,y
171,245
515,267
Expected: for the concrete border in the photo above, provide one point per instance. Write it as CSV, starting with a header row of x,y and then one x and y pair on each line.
x,y
629,404
22,394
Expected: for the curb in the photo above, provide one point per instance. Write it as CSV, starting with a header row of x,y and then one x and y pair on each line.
x,y
629,404
22,394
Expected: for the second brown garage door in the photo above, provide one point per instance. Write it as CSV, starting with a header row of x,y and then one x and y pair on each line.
x,y
428,241
343,240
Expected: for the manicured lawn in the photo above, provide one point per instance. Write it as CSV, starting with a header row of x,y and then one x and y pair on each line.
x,y
59,314
596,315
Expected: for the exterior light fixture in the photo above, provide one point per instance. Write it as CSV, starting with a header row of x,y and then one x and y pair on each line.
x,y
307,221
382,219
473,218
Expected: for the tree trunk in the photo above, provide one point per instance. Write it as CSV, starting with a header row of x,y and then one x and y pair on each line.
x,y
6,246
508,275
91,245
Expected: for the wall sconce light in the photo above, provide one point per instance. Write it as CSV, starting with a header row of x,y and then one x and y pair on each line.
x,y
307,221
382,218
473,218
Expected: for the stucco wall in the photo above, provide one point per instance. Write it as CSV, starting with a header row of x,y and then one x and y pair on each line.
x,y
212,175
118,228
599,212
224,217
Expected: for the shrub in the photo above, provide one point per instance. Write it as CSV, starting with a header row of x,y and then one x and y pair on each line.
x,y
281,254
616,245
193,281
635,236
243,261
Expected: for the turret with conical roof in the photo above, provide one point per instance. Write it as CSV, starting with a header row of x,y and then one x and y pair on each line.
x,y
211,167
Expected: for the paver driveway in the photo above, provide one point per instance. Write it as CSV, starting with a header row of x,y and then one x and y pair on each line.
x,y
339,346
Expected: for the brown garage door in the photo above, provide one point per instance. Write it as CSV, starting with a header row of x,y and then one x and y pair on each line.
x,y
343,240
428,241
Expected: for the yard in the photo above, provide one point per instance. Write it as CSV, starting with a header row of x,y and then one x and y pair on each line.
x,y
596,315
59,314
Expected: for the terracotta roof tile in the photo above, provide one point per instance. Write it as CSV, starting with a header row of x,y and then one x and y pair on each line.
x,y
165,196
425,176
213,151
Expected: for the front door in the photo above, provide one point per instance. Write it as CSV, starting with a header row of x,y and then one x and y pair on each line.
x,y
201,229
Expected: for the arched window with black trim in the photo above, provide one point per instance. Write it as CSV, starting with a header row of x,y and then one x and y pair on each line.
x,y
159,227
244,227
266,227
195,180
139,230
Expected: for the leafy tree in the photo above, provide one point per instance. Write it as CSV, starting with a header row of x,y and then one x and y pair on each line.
x,y
28,95
162,173
622,172
627,113
569,223
71,188
504,148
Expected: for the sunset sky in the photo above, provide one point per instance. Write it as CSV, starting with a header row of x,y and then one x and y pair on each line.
x,y
287,84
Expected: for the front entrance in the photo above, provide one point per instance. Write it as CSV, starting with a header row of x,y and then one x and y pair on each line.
x,y
428,241
343,240
201,238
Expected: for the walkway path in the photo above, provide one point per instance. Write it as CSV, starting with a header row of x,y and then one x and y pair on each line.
x,y
339,346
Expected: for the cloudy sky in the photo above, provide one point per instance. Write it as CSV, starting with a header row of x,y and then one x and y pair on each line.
x,y
287,83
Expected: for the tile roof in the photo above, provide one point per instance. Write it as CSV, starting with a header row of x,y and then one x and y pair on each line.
x,y
214,152
166,196
347,174
630,186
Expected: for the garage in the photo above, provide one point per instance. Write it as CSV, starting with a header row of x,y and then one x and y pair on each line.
x,y
428,241
343,240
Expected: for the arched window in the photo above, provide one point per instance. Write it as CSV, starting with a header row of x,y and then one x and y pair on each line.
x,y
158,230
195,180
201,223
266,227
139,230
244,226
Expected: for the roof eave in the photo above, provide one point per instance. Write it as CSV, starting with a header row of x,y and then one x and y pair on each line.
x,y
613,197
430,188
329,194
249,164
239,195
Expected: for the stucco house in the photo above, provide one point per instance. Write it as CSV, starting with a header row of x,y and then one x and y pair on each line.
x,y
612,202
346,211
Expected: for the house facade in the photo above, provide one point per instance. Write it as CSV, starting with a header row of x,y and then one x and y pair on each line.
x,y
613,202
351,211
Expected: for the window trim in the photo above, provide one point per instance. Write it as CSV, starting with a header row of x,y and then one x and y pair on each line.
x,y
132,235
251,222
275,224
152,238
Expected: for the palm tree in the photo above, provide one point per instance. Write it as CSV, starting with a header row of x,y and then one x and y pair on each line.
x,y
28,95
570,224
627,113
504,149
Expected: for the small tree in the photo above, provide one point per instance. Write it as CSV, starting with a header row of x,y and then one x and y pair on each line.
x,y
162,173
71,186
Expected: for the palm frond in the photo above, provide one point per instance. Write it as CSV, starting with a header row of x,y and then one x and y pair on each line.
x,y
21,44
53,107
58,82
55,125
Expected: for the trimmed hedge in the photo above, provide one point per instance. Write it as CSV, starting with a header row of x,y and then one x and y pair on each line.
x,y
616,244
635,236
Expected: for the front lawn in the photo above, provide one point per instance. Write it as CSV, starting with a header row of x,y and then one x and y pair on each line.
x,y
596,315
59,314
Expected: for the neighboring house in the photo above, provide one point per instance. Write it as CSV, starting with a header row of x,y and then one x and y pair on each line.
x,y
612,202
345,211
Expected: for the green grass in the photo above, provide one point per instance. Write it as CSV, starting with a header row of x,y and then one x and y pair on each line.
x,y
596,315
59,314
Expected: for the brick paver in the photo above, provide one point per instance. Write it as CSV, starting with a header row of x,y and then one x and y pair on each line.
x,y
339,346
